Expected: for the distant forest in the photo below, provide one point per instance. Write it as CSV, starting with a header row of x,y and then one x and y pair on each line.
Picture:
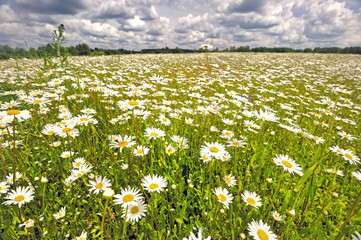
x,y
7,52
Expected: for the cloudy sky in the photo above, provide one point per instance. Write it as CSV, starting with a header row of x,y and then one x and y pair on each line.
x,y
138,24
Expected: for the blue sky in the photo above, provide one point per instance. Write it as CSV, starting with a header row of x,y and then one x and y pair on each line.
x,y
138,24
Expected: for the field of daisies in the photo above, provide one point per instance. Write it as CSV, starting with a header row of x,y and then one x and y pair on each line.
x,y
198,146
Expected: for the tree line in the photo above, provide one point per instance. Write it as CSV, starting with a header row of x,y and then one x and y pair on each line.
x,y
83,49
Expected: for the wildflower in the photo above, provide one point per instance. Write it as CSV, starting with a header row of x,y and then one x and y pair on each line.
x,y
10,115
154,183
10,177
141,151
192,236
236,143
78,162
60,214
66,154
100,184
19,196
135,211
230,180
287,163
4,187
350,157
163,120
122,142
252,199
276,216
28,224
127,196
261,231
153,133
223,196
216,150
357,175
82,236
108,193
338,172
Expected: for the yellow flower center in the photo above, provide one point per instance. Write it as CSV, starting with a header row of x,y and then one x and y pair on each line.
x,y
228,180
214,149
330,103
13,112
134,209
67,129
84,119
348,156
50,132
249,124
262,234
222,198
140,151
19,198
123,143
38,101
251,201
78,164
332,171
67,155
205,157
287,164
99,185
153,134
1,188
236,143
316,138
346,136
133,103
153,186
164,119
228,133
65,116
128,198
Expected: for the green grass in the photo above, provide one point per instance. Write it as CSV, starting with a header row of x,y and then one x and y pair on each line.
x,y
188,202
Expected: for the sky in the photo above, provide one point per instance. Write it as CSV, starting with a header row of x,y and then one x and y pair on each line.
x,y
187,24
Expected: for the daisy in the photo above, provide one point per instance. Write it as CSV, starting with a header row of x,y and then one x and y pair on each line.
x,y
318,139
236,143
200,237
78,162
228,134
179,140
356,175
336,149
287,163
82,236
276,216
163,120
227,121
4,187
135,211
169,149
66,154
214,129
357,236
99,185
223,196
88,111
141,151
230,180
251,124
260,231
266,115
338,172
154,183
252,199
216,150
122,142
19,196
50,129
225,157
127,196
344,135
10,177
28,224
60,214
350,157
86,119
153,133
205,157
10,115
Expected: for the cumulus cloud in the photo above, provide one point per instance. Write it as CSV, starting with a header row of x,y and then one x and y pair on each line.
x,y
137,24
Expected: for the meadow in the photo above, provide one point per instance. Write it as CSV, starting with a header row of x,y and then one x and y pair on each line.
x,y
188,146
